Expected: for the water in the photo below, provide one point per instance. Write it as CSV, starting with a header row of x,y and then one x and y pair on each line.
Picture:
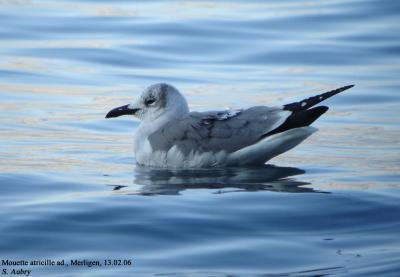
x,y
69,187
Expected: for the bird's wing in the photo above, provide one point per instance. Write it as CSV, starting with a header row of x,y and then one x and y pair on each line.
x,y
217,131
230,130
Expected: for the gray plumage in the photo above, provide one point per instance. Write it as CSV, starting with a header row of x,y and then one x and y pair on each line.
x,y
217,130
172,136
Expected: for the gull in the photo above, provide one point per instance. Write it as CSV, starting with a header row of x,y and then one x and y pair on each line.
x,y
170,136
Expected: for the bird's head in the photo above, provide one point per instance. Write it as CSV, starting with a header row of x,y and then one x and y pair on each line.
x,y
156,101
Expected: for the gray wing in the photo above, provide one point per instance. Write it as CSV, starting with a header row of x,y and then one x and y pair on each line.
x,y
218,130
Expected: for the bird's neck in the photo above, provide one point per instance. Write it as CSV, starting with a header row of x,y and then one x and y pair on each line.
x,y
150,126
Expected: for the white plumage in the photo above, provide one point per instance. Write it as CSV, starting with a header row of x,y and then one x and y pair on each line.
x,y
170,136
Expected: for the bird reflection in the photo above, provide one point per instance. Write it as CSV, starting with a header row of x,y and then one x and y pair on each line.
x,y
220,180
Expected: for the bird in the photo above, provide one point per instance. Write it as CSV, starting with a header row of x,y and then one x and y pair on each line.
x,y
171,136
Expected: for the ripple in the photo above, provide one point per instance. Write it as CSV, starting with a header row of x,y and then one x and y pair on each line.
x,y
69,186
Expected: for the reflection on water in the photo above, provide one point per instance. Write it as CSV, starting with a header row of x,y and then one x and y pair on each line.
x,y
68,184
223,180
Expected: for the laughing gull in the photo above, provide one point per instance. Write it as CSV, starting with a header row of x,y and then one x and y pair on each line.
x,y
170,136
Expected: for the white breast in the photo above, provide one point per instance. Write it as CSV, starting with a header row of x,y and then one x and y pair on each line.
x,y
174,158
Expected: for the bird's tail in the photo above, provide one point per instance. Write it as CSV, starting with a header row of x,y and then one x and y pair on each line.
x,y
314,100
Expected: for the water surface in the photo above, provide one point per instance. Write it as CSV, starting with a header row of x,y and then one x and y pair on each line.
x,y
69,185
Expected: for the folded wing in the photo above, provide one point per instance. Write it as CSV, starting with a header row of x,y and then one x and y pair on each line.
x,y
217,131
232,130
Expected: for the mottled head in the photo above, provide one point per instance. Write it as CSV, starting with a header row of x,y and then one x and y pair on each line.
x,y
158,100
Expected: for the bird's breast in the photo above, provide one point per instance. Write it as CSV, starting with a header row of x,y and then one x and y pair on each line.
x,y
172,156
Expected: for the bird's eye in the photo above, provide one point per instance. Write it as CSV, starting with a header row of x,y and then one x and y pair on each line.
x,y
150,101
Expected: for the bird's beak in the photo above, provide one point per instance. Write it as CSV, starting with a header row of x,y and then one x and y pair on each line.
x,y
123,110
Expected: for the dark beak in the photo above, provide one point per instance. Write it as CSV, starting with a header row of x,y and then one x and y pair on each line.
x,y
123,110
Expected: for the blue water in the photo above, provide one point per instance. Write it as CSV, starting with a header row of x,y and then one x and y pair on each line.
x,y
70,188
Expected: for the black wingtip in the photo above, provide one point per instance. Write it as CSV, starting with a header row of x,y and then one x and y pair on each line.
x,y
335,91
299,119
345,88
314,100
